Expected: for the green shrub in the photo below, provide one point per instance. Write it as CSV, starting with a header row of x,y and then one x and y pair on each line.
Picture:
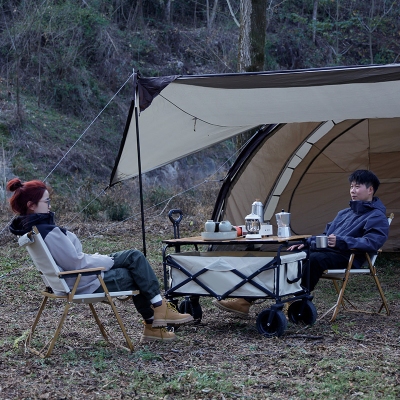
x,y
117,211
157,196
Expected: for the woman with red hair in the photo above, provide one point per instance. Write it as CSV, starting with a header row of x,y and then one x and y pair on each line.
x,y
124,270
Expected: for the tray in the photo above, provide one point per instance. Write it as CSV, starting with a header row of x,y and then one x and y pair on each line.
x,y
253,236
219,235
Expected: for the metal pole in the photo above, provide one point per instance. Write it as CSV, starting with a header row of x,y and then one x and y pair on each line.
x,y
139,164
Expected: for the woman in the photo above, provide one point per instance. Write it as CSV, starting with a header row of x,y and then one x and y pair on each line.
x,y
124,270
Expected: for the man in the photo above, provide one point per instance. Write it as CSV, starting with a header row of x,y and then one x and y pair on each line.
x,y
362,226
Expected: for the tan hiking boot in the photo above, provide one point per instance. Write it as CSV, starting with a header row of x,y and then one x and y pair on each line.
x,y
168,314
239,306
151,334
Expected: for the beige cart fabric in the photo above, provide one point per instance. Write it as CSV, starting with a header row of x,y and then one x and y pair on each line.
x,y
220,278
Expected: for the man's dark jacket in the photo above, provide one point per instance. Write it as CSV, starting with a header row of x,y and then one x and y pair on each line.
x,y
363,226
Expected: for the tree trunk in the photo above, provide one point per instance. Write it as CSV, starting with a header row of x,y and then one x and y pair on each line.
x,y
195,15
213,14
370,30
137,18
168,18
314,21
337,33
233,14
244,59
252,35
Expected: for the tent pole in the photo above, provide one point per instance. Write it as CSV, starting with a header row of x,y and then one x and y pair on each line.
x,y
139,167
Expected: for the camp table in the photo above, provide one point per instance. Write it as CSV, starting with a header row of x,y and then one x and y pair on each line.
x,y
249,274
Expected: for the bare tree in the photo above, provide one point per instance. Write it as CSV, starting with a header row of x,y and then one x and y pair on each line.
x,y
375,18
232,13
314,20
211,18
252,35
168,12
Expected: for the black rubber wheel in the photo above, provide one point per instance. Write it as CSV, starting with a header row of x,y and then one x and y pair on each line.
x,y
197,313
186,307
275,328
302,311
195,310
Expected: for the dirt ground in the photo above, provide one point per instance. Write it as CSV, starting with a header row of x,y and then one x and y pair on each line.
x,y
222,357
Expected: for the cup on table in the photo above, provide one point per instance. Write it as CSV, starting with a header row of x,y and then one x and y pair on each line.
x,y
321,242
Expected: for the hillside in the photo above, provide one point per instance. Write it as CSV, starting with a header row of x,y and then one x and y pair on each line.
x,y
62,62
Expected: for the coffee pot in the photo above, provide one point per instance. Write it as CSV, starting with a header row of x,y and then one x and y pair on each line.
x,y
258,209
283,221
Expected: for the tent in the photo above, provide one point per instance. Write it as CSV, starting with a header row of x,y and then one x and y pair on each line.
x,y
315,127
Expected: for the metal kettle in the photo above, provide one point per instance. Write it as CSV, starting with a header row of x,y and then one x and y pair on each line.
x,y
283,222
258,209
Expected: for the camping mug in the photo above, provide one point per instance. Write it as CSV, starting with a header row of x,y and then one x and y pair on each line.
x,y
209,226
321,242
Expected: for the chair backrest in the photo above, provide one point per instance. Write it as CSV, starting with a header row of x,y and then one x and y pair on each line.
x,y
43,260
375,255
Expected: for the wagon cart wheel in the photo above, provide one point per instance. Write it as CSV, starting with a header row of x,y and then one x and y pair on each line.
x,y
304,311
192,308
271,323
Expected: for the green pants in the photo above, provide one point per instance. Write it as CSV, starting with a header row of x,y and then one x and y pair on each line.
x,y
132,271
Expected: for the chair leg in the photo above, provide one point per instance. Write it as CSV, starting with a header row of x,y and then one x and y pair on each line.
x,y
102,329
49,345
342,289
58,330
379,287
34,325
121,324
53,340
337,288
39,314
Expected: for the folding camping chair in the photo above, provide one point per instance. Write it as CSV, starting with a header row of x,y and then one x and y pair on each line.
x,y
57,288
343,275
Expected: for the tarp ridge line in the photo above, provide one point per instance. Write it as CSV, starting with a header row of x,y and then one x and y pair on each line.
x,y
197,118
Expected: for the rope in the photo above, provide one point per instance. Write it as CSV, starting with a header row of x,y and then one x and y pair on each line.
x,y
167,201
75,143
84,132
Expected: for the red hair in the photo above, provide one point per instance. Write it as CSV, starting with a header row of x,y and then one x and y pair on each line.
x,y
23,193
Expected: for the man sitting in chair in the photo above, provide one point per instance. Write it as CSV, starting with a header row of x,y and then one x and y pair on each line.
x,y
362,226
124,270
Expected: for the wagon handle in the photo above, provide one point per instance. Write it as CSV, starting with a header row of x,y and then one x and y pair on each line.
x,y
175,221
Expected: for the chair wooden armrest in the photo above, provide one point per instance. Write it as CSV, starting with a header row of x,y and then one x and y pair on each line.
x,y
83,272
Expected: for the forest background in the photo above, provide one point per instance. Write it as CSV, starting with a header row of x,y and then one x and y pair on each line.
x,y
65,68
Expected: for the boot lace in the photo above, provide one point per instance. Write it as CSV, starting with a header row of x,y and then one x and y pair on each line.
x,y
172,307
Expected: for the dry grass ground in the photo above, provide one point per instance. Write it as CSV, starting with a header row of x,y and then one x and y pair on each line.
x,y
222,358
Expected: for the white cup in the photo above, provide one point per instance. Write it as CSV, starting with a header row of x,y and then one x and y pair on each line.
x,y
209,226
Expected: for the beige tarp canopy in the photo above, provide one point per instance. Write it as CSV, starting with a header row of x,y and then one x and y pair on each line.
x,y
317,126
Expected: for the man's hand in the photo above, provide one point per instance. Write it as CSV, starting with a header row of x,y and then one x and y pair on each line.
x,y
295,246
332,240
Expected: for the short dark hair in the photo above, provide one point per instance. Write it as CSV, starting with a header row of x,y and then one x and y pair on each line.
x,y
365,177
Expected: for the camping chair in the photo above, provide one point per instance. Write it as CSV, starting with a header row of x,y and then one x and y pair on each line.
x,y
57,288
337,275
